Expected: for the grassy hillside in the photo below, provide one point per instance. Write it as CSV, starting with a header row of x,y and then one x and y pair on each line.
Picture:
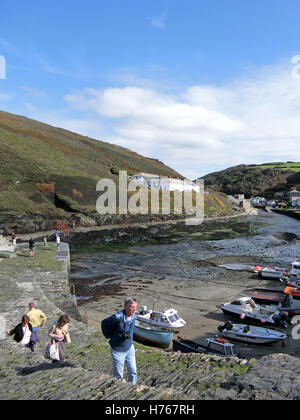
x,y
265,179
43,168
48,176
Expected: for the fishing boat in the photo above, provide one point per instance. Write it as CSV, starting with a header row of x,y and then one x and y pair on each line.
x,y
294,274
246,309
292,290
217,345
168,320
148,334
273,272
251,334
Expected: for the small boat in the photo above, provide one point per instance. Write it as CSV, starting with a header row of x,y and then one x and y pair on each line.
x,y
168,320
273,272
251,334
294,274
146,333
264,296
292,290
217,345
246,309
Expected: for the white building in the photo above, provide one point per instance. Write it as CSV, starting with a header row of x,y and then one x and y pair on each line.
x,y
165,183
293,195
296,202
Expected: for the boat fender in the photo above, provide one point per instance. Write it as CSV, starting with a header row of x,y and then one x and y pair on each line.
x,y
263,320
242,316
221,340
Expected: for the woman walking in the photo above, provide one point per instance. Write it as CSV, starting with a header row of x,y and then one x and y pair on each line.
x,y
59,332
23,333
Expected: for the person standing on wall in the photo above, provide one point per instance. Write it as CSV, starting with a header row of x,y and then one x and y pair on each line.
x,y
57,241
14,239
31,247
119,328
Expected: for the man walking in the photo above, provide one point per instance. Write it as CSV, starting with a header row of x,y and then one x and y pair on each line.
x,y
37,318
119,328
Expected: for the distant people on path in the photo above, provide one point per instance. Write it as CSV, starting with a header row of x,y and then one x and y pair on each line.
x,y
57,241
14,239
37,318
60,333
31,247
23,334
119,328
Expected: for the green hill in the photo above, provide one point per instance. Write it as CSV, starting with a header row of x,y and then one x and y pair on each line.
x,y
44,169
48,176
251,180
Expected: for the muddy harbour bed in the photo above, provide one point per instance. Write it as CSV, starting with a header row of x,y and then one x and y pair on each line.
x,y
190,272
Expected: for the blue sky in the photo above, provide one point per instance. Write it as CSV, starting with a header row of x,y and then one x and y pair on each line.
x,y
199,85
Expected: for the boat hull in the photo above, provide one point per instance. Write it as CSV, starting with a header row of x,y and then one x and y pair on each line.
x,y
266,296
159,338
248,319
256,335
272,275
188,346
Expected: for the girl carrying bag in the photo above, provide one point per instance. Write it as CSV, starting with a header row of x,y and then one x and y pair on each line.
x,y
51,351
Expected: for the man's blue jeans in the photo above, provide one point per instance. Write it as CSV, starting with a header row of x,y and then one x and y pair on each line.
x,y
119,359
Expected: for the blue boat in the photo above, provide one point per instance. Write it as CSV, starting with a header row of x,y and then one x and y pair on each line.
x,y
147,334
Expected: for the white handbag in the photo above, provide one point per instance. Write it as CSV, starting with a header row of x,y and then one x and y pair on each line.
x,y
51,351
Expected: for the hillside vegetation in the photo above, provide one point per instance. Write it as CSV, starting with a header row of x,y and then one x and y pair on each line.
x,y
49,174
251,180
41,165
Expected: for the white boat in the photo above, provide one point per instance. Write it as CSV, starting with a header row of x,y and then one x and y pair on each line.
x,y
251,334
168,320
274,272
294,274
246,309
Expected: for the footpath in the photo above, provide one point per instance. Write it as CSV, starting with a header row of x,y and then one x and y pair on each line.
x,y
86,371
85,229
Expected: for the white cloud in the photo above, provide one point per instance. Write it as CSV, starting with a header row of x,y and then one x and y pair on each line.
x,y
4,97
159,21
206,128
90,127
34,92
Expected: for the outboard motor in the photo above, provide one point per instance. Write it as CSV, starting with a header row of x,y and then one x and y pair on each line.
x,y
227,326
281,319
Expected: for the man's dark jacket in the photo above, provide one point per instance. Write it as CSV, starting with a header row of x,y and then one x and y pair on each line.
x,y
115,327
